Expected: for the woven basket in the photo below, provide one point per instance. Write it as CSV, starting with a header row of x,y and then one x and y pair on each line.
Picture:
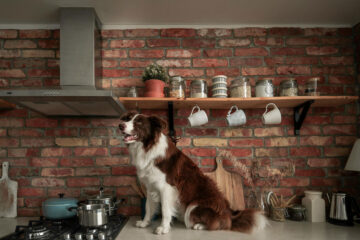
x,y
278,214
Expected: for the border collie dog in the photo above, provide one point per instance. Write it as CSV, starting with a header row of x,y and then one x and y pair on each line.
x,y
175,181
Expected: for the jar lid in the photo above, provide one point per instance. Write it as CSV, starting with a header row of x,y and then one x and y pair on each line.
x,y
314,79
312,192
264,81
199,81
289,83
177,79
220,76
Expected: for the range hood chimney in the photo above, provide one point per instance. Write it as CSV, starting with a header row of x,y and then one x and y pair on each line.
x,y
80,72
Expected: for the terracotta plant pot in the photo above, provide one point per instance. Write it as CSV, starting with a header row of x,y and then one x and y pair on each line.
x,y
154,88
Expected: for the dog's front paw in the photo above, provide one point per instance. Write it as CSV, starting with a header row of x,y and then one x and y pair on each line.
x,y
142,224
162,230
199,226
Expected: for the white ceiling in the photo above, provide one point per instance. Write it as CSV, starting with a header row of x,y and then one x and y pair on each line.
x,y
186,13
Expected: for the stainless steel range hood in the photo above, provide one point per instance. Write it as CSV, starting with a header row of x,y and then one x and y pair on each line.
x,y
80,72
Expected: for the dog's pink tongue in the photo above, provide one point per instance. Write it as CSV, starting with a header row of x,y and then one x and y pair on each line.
x,y
129,138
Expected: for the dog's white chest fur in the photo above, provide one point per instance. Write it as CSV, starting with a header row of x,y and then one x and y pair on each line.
x,y
151,176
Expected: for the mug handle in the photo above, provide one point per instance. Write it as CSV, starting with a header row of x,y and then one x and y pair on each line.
x,y
236,109
272,104
195,107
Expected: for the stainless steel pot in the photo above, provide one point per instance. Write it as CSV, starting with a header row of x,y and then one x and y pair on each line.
x,y
109,201
91,215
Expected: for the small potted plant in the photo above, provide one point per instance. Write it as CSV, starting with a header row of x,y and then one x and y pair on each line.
x,y
154,78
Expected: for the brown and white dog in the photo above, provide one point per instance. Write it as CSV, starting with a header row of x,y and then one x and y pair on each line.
x,y
175,181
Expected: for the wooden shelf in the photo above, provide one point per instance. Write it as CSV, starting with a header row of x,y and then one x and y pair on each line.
x,y
6,105
243,103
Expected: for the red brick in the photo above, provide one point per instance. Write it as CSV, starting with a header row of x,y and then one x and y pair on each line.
x,y
324,162
43,73
142,33
182,53
242,42
38,53
174,62
295,182
258,71
178,32
114,53
33,202
285,31
26,83
124,170
112,33
217,53
62,132
76,162
9,142
238,152
198,43
305,151
91,151
332,70
246,142
345,31
302,60
289,70
250,32
35,33
321,182
12,73
210,62
302,41
3,132
147,53
328,50
7,33
49,43
28,212
200,152
127,43
96,132
236,132
270,41
92,171
251,52
281,141
336,151
345,140
318,172
30,192
342,79
11,122
83,182
135,63
5,63
119,181
339,129
75,122
51,82
336,41
23,172
230,72
41,122
9,53
186,72
246,62
57,172
44,162
47,182
115,73
23,152
105,122
214,32
268,131
320,31
337,60
316,141
109,63
201,132
129,210
286,51
111,161
272,61
55,152
19,44
163,43
53,63
118,151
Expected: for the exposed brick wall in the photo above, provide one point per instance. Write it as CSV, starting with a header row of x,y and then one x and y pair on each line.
x,y
77,155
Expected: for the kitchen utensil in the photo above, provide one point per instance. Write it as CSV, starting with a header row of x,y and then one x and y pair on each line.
x,y
341,209
91,215
236,118
109,201
57,208
296,212
198,118
230,184
314,205
8,194
272,116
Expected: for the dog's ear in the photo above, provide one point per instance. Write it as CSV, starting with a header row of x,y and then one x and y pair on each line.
x,y
157,123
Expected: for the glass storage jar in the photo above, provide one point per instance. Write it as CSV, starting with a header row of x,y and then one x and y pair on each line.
x,y
198,89
177,87
264,88
240,88
288,88
311,88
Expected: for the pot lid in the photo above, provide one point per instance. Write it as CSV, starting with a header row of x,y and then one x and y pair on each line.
x,y
61,200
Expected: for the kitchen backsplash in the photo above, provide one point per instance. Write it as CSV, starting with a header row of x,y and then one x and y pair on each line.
x,y
48,156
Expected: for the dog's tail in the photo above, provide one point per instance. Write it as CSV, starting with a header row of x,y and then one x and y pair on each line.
x,y
248,220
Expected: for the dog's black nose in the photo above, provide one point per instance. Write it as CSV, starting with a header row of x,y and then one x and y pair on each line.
x,y
122,126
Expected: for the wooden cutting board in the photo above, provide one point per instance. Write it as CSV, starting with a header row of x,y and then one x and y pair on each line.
x,y
230,184
8,193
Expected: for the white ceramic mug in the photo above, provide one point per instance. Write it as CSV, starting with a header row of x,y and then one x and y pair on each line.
x,y
272,116
236,118
198,118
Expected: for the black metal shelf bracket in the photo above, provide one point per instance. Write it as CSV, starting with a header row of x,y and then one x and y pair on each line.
x,y
172,132
300,113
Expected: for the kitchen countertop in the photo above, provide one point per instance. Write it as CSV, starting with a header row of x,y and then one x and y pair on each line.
x,y
276,230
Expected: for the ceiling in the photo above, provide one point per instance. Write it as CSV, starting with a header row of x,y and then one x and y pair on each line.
x,y
186,13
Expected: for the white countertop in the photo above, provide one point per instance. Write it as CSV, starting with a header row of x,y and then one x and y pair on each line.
x,y
289,230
